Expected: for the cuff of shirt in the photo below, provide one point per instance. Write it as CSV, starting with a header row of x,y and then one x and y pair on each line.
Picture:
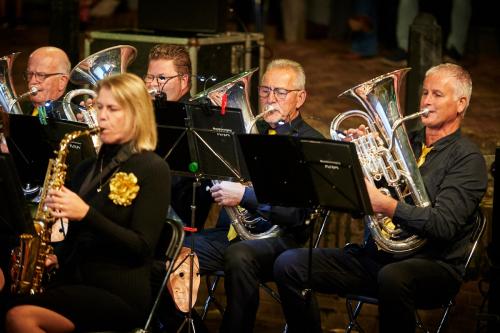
x,y
409,216
249,200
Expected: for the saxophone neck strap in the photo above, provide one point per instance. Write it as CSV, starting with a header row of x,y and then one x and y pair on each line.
x,y
92,180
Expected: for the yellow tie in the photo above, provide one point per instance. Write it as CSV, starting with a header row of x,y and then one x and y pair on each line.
x,y
423,155
231,234
35,112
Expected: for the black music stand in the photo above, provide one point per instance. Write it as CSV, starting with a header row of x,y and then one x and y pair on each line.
x,y
32,144
301,172
199,140
198,137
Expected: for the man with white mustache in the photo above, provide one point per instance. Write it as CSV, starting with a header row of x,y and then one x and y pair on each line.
x,y
247,263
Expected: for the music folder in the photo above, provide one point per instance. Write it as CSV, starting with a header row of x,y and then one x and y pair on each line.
x,y
32,144
200,133
302,172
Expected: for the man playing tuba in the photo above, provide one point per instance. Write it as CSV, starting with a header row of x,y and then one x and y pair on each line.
x,y
48,72
454,174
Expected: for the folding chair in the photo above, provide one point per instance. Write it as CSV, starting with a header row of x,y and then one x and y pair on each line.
x,y
354,303
174,247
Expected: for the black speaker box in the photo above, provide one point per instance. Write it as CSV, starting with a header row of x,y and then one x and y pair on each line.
x,y
184,16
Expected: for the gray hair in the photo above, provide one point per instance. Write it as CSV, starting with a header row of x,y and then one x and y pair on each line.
x,y
291,65
463,81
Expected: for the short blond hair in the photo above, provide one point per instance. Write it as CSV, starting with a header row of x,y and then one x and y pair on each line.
x,y
131,93
294,66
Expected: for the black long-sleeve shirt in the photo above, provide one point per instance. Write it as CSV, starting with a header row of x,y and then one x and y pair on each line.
x,y
112,246
455,177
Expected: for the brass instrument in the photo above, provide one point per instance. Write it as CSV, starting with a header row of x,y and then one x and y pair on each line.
x,y
235,90
28,266
111,61
8,97
385,155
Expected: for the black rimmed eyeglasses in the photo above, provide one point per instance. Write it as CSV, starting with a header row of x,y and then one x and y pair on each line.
x,y
280,93
160,78
39,76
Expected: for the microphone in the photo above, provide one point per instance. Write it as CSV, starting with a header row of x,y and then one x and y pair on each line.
x,y
32,92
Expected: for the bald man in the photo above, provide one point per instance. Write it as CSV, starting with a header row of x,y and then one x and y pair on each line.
x,y
48,70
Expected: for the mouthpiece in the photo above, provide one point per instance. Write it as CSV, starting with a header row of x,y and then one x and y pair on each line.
x,y
153,91
424,112
33,91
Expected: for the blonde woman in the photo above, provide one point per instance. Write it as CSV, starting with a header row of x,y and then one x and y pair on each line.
x,y
116,209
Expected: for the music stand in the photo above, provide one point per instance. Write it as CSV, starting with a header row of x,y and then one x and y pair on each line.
x,y
32,144
199,134
301,172
199,140
306,173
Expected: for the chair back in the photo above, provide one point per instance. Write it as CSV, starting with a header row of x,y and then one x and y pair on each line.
x,y
175,245
172,252
479,228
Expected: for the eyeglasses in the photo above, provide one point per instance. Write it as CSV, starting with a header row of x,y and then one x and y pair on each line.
x,y
39,76
161,78
280,93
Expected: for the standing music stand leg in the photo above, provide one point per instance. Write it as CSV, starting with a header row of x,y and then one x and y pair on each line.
x,y
189,318
306,293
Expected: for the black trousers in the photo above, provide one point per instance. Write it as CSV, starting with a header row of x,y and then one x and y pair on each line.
x,y
401,286
245,264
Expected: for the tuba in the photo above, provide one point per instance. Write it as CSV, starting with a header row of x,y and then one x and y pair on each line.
x,y
28,260
8,97
385,155
233,92
111,61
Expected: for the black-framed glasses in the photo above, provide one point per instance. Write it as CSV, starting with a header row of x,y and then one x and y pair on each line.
x,y
39,76
280,93
160,78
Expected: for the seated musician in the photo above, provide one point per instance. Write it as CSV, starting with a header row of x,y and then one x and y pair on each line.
x,y
169,73
246,263
48,72
116,209
454,175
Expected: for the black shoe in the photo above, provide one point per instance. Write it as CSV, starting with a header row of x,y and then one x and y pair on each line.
x,y
452,55
398,58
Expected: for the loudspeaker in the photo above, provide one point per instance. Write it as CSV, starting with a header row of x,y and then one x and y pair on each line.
x,y
184,16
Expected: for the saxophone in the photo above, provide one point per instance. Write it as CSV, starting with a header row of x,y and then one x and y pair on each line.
x,y
28,260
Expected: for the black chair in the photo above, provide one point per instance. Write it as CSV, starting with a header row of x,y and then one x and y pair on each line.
x,y
354,303
173,249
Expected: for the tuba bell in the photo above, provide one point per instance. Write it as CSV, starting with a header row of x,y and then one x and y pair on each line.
x,y
8,97
111,61
385,155
233,92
